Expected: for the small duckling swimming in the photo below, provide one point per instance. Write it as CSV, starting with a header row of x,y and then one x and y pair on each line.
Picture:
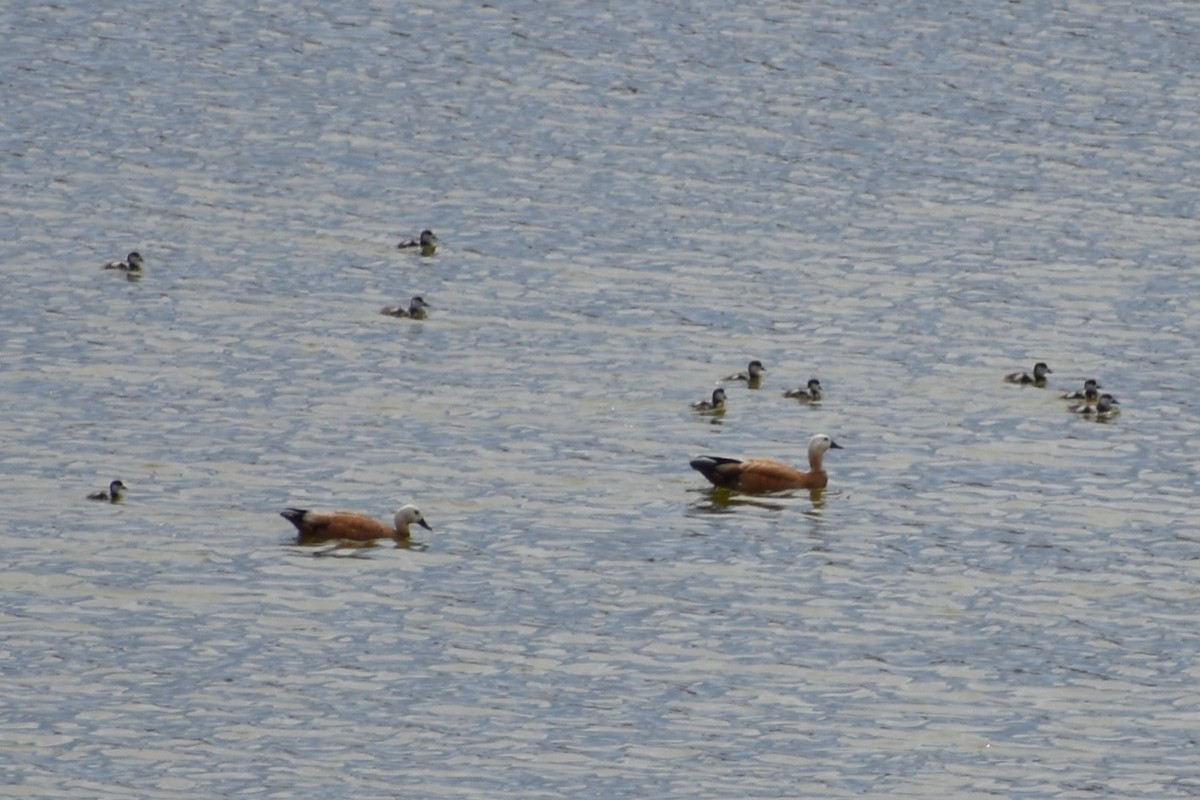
x,y
115,493
752,376
1091,396
806,394
1081,394
416,309
717,404
314,527
428,243
1040,371
1099,406
131,263
1107,406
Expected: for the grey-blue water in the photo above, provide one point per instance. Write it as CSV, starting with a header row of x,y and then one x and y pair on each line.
x,y
994,597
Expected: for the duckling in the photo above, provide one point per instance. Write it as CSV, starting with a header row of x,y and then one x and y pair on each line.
x,y
1099,406
428,243
717,404
752,376
416,309
314,527
765,474
1107,406
1090,397
131,263
806,394
1081,394
115,493
1040,371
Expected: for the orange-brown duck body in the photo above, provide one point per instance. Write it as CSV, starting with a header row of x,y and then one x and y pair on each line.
x,y
315,527
767,475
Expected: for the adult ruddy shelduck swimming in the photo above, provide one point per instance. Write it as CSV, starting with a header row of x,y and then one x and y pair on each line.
x,y
428,243
317,526
115,493
1038,378
768,475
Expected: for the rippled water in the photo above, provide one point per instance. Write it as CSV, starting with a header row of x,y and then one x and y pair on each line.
x,y
993,598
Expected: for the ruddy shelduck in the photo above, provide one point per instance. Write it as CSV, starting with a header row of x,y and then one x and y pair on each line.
x,y
115,493
810,393
752,376
716,404
1038,378
416,309
428,243
765,474
317,526
131,263
1081,394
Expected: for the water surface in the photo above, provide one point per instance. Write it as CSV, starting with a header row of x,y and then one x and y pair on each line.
x,y
906,201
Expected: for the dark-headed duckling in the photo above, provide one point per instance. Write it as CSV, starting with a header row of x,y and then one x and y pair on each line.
x,y
1081,394
428,243
752,375
806,394
1100,406
115,493
1091,396
716,404
416,309
131,263
1038,378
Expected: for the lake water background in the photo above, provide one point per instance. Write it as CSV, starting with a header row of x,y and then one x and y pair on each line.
x,y
994,598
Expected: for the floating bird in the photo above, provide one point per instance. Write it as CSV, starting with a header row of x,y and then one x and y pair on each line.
x,y
1091,396
317,526
716,404
767,475
428,243
752,376
1103,406
1040,370
416,309
131,263
115,493
810,393
1081,394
